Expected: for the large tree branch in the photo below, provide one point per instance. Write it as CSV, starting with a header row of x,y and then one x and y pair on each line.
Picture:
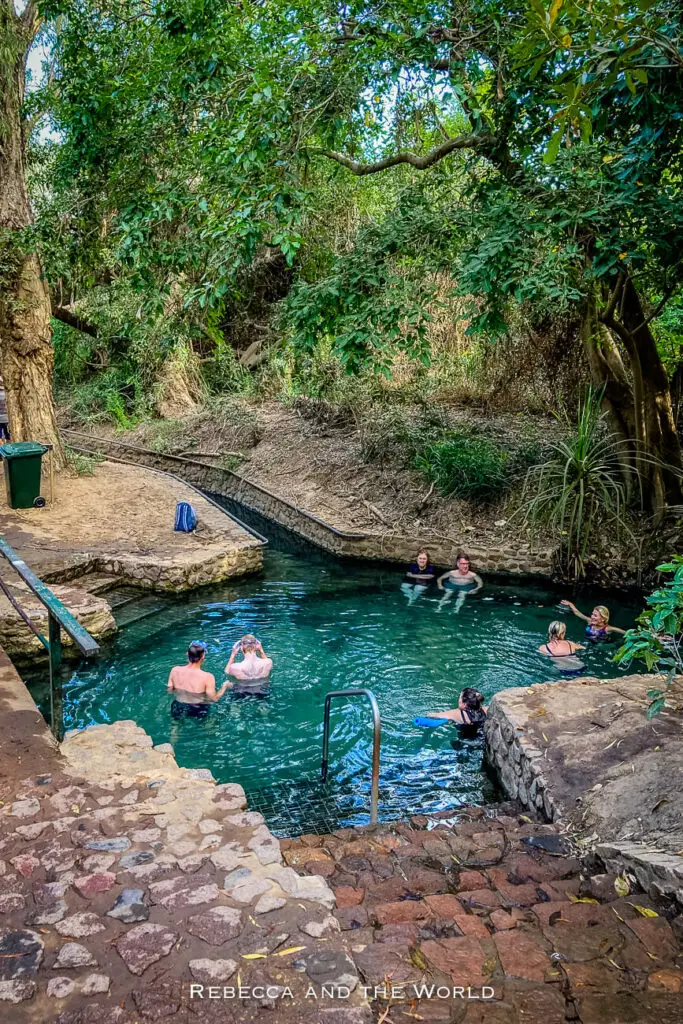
x,y
29,17
420,163
65,315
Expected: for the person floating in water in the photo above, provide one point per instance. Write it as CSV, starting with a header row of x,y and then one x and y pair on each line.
x,y
598,622
420,574
252,673
470,714
561,650
194,689
461,579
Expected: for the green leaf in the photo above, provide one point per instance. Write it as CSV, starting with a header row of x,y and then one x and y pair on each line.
x,y
553,146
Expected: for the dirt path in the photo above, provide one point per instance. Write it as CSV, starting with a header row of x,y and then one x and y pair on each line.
x,y
321,466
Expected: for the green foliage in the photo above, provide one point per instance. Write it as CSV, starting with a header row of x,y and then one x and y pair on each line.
x,y
579,490
374,301
466,466
657,638
112,395
84,465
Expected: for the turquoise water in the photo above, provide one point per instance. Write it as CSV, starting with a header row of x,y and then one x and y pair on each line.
x,y
330,625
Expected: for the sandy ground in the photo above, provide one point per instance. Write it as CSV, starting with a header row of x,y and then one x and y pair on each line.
x,y
120,508
319,466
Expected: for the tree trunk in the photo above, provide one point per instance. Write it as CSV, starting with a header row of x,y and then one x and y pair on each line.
x,y
639,409
26,355
656,434
609,373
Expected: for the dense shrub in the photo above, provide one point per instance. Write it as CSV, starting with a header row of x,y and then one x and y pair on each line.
x,y
466,466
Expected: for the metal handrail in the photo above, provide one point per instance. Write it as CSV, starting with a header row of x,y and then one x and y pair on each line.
x,y
376,740
58,617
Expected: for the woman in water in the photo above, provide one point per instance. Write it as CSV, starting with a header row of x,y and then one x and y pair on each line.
x,y
470,714
598,622
461,579
561,650
418,577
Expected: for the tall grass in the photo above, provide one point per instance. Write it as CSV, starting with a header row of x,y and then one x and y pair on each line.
x,y
580,490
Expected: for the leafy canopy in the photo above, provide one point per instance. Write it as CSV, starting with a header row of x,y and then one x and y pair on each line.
x,y
537,150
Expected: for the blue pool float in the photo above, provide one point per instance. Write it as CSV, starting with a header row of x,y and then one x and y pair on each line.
x,y
429,723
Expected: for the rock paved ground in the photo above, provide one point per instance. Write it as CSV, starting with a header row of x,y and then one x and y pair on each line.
x,y
468,900
124,880
132,890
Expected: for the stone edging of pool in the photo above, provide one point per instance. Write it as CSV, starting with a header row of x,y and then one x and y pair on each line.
x,y
582,752
512,557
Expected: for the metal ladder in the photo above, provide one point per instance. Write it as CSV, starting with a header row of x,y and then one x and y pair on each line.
x,y
376,739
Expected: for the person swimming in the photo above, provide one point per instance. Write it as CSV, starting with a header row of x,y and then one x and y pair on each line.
x,y
419,575
470,714
598,621
194,689
561,650
462,579
252,673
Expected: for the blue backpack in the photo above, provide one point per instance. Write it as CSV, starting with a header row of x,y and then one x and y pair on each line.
x,y
185,517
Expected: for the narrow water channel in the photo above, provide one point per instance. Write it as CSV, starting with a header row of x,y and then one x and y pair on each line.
x,y
330,624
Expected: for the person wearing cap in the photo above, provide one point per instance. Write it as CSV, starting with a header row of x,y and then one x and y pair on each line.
x,y
194,690
251,674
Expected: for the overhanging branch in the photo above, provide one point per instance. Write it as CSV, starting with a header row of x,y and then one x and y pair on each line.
x,y
420,163
65,316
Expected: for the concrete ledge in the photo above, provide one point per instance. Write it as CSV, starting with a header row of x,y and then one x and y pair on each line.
x,y
26,743
512,557
93,613
662,872
582,751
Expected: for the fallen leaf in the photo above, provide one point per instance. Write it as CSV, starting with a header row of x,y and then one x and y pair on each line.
x,y
524,818
618,914
580,899
544,736
644,911
292,949
651,955
254,956
255,923
615,964
538,712
622,886
417,958
75,809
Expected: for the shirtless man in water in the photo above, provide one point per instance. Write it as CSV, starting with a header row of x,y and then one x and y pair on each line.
x,y
193,688
251,673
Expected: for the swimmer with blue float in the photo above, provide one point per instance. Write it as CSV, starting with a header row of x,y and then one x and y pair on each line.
x,y
468,717
598,626
462,580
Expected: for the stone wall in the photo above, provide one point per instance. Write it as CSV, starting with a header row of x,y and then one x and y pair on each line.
x,y
93,613
518,762
168,574
513,556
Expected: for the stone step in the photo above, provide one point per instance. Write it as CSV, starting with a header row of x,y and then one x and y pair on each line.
x,y
135,611
95,583
125,595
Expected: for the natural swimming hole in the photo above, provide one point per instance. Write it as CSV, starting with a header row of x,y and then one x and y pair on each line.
x,y
330,624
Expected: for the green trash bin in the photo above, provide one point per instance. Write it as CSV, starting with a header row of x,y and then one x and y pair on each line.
x,y
22,473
